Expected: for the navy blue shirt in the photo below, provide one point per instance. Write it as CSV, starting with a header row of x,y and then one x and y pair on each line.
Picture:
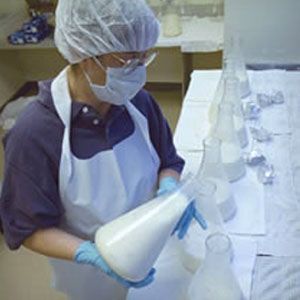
x,y
30,197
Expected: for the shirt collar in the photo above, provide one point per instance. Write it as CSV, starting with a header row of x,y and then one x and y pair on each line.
x,y
45,97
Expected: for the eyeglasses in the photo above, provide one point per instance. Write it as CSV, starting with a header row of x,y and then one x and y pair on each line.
x,y
128,65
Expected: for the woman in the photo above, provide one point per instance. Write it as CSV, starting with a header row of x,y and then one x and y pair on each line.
x,y
92,147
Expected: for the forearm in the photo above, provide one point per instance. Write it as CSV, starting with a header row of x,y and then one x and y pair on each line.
x,y
53,242
168,173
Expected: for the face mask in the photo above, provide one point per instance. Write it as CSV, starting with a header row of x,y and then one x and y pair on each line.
x,y
120,87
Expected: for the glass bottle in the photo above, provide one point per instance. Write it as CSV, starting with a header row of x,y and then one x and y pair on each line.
x,y
231,154
212,169
192,248
171,19
215,279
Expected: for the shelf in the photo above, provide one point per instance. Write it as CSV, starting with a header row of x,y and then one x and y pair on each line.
x,y
198,34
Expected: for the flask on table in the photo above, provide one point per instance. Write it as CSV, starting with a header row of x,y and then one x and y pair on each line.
x,y
215,279
228,90
192,248
231,154
233,51
212,169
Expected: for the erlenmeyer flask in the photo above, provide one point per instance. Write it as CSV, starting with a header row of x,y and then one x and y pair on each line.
x,y
215,279
233,51
232,95
148,226
192,248
212,169
171,19
230,147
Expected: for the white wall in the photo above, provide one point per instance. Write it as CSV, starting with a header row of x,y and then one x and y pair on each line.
x,y
269,29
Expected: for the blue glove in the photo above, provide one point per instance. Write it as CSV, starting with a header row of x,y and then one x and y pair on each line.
x,y
186,219
87,253
166,185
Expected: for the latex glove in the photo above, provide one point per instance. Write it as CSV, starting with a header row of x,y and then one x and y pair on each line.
x,y
183,224
166,185
87,253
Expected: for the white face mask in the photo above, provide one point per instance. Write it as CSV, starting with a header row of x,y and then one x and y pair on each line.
x,y
120,87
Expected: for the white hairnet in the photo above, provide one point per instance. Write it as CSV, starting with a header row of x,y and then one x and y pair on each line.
x,y
86,28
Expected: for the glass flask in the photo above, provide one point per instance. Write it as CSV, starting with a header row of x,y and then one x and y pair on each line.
x,y
215,279
148,226
231,154
192,248
171,19
233,51
212,169
228,91
227,71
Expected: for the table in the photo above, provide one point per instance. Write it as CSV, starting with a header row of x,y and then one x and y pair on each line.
x,y
277,271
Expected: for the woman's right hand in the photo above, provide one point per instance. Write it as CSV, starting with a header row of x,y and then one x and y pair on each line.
x,y
87,253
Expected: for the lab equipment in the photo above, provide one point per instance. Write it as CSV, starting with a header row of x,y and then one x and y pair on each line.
x,y
251,110
260,134
254,157
227,71
212,169
278,97
87,253
215,279
148,227
228,90
90,28
231,95
191,249
166,185
233,51
264,100
266,173
171,19
230,147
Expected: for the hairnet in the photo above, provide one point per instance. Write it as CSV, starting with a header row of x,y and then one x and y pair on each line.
x,y
86,28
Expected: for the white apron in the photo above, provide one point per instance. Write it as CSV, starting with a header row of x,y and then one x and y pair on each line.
x,y
94,191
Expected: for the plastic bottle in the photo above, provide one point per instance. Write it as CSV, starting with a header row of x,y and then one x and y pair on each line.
x,y
230,147
212,169
131,243
192,248
215,279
